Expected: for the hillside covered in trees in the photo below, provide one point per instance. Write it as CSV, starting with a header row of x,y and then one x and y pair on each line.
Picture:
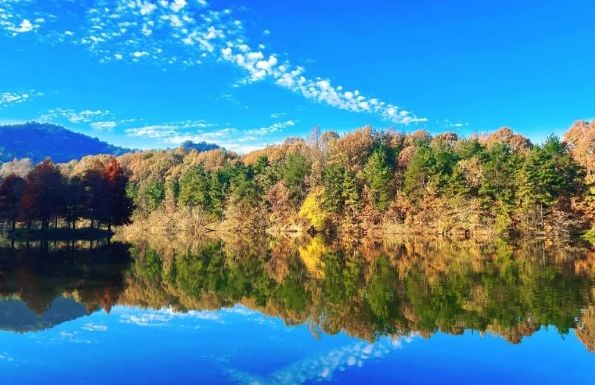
x,y
38,141
373,181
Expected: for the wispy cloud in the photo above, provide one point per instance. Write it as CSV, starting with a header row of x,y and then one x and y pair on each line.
x,y
210,136
199,131
277,115
167,131
322,367
85,116
73,337
448,123
277,127
91,327
104,126
8,98
15,20
186,33
163,317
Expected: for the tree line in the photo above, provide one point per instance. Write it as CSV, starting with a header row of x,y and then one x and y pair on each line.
x,y
46,198
378,180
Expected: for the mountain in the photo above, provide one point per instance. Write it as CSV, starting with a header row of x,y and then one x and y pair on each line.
x,y
16,316
40,140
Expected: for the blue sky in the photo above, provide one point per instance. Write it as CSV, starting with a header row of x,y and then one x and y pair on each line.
x,y
241,346
153,73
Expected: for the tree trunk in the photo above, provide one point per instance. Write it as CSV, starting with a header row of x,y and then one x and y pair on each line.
x,y
542,226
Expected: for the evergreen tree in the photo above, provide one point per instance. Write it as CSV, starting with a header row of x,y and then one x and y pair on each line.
x,y
194,188
351,197
261,164
333,188
417,174
379,179
295,171
217,194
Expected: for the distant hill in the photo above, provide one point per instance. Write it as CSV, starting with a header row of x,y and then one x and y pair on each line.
x,y
16,316
40,140
200,146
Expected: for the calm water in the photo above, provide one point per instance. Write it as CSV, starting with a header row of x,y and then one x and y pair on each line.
x,y
265,311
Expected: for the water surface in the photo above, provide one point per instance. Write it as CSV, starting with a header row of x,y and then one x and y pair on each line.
x,y
285,311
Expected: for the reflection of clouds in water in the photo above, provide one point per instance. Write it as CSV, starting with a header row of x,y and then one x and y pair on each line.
x,y
91,327
163,317
321,368
72,337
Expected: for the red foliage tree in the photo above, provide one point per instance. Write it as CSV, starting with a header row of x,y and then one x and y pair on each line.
x,y
120,204
43,194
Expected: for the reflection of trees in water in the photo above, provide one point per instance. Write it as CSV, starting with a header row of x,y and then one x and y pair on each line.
x,y
92,272
364,288
370,289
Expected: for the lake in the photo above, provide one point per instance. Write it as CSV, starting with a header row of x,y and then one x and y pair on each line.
x,y
241,310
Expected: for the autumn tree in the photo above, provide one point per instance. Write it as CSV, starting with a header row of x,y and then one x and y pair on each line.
x,y
96,203
120,205
18,167
43,196
11,193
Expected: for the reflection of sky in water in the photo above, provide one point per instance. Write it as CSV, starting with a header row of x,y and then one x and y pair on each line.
x,y
241,346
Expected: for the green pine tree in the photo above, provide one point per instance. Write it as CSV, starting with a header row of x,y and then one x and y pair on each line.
x,y
333,188
379,178
351,198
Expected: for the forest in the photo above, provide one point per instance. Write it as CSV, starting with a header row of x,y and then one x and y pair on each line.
x,y
43,197
362,182
373,181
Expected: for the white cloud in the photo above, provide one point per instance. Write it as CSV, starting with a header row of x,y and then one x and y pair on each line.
x,y
183,32
167,131
73,116
104,126
277,115
266,32
25,26
177,133
277,127
448,123
212,136
259,67
7,98
155,131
